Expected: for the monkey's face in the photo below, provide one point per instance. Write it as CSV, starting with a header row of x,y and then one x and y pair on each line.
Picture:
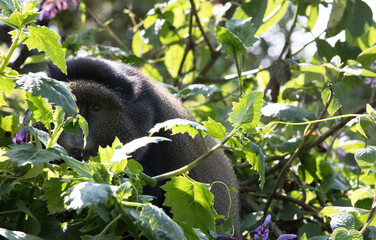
x,y
105,113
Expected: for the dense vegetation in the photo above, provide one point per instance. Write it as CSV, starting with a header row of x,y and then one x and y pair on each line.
x,y
289,96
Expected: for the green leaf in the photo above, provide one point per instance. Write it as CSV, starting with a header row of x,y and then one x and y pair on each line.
x,y
256,158
82,168
340,94
140,44
344,234
338,18
47,40
360,194
6,80
286,112
312,12
41,111
125,151
17,235
55,91
190,202
215,129
179,125
247,110
7,7
22,154
360,129
19,20
231,44
273,14
254,9
157,225
360,22
366,158
85,194
196,89
55,187
345,220
243,29
173,58
367,57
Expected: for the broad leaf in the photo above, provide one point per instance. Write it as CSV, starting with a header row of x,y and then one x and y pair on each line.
x,y
215,129
17,235
126,151
255,157
41,111
243,29
359,194
196,89
19,20
190,202
6,80
344,219
179,126
83,168
286,112
247,110
47,40
22,154
7,7
366,158
55,91
87,194
156,224
367,57
344,234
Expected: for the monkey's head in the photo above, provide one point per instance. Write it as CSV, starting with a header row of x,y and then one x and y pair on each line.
x,y
112,97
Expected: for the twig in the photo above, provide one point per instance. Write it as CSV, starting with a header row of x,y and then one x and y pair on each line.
x,y
107,29
296,154
273,83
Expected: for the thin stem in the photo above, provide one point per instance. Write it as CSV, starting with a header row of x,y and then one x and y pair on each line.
x,y
239,70
126,218
15,44
107,29
296,154
370,216
109,225
196,162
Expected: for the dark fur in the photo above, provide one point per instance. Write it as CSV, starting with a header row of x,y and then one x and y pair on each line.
x,y
133,104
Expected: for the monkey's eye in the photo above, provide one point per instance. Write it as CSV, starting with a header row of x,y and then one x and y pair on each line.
x,y
95,107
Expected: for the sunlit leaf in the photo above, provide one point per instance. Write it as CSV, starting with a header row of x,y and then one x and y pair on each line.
x,y
366,158
190,202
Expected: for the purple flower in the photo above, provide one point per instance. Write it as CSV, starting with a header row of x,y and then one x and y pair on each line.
x,y
51,7
263,230
21,136
286,237
371,81
224,237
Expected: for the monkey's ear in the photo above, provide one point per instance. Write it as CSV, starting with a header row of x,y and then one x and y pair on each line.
x,y
54,72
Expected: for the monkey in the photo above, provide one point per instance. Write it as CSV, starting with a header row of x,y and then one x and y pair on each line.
x,y
117,100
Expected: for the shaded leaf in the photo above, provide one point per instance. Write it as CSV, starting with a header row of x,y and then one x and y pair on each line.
x,y
17,235
366,158
22,154
286,112
55,91
157,225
